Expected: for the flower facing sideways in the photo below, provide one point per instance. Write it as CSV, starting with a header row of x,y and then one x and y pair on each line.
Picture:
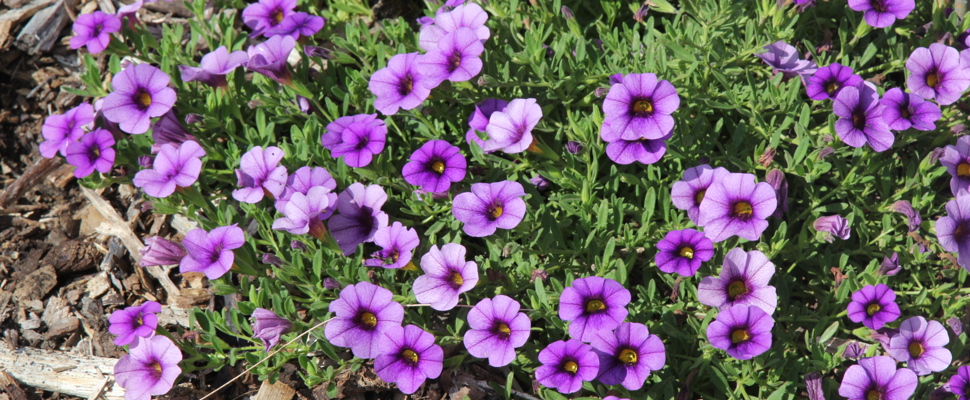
x,y
211,252
446,276
149,368
362,313
408,356
133,322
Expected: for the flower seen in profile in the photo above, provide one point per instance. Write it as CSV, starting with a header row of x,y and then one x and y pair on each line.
x,y
269,58
435,166
890,265
150,368
877,378
743,282
478,120
399,85
744,332
470,16
953,230
446,276
92,152
356,138
937,73
956,159
297,24
920,343
912,216
302,181
829,80
784,58
168,130
628,355
304,213
960,383
736,204
211,252
489,206
362,313
408,356
160,251
397,243
640,107
140,93
214,67
882,13
510,130
777,180
683,251
688,193
360,216
172,168
268,327
456,59
60,130
497,329
906,110
266,14
833,225
259,174
874,306
566,365
94,31
593,304
860,118
134,321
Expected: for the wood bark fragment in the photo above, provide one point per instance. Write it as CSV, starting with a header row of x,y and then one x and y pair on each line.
x,y
275,391
32,176
43,29
12,17
35,368
10,386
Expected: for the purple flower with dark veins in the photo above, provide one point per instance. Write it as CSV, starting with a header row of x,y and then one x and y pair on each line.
x,y
446,276
510,130
953,230
172,168
956,159
497,329
640,107
211,252
890,265
362,313
784,58
683,252
688,193
877,378
624,152
214,67
874,306
305,213
302,181
937,73
400,85
736,204
408,356
160,251
60,130
356,138
150,368
94,31
133,322
921,344
566,365
456,59
360,216
833,225
435,166
593,304
743,282
490,206
912,216
93,152
298,24
882,13
140,93
628,355
906,110
259,174
860,118
960,383
266,14
744,332
829,80
269,58
470,16
397,244
268,327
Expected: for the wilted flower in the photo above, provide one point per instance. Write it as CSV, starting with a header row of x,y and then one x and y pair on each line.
x,y
446,276
912,216
397,243
497,329
269,58
882,13
640,107
784,58
736,205
566,365
860,118
683,252
435,166
134,321
356,138
777,180
60,131
921,345
407,356
744,332
94,31
271,259
833,225
266,14
211,252
140,93
331,284
214,67
936,73
877,378
574,147
593,304
904,110
510,130
829,80
317,51
362,313
159,251
540,182
260,173
360,216
400,85
688,193
172,168
168,130
489,206
854,350
628,354
956,325
890,265
149,368
743,282
268,327
93,152
874,306
813,383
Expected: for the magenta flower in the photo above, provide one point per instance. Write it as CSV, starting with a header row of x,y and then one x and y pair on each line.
x,y
61,130
140,93
960,383
397,244
510,130
94,31
877,378
882,13
134,321
214,67
622,151
304,213
362,313
407,356
268,327
829,80
921,345
744,332
688,193
211,252
400,85
173,167
860,118
904,110
168,130
628,354
489,206
259,174
470,16
937,74
683,252
566,365
743,282
456,59
736,204
956,159
593,304
833,225
266,14
160,251
149,368
784,58
446,276
357,138
269,58
93,152
874,306
953,230
478,121
360,216
497,329
641,107
302,180
435,166
296,25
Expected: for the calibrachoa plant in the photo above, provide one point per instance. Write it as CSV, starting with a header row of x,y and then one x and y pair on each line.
x,y
601,199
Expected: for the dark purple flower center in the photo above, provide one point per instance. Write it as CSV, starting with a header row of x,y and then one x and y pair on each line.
x,y
493,212
933,79
406,85
642,107
595,306
367,320
832,87
740,336
628,356
741,210
686,252
963,169
905,112
873,308
410,357
362,142
277,16
570,366
96,30
215,254
454,61
137,322
456,280
916,349
142,99
699,196
879,5
502,330
94,153
960,233
155,369
737,288
874,394
366,219
859,119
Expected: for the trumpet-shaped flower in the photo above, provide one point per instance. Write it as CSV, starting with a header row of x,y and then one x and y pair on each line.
x,y
446,276
874,306
628,355
593,304
489,206
134,321
61,130
211,252
362,313
683,252
400,85
937,73
140,93
920,343
566,365
510,130
953,230
688,193
497,329
260,173
736,204
150,368
268,327
94,31
397,243
360,216
172,168
743,282
356,138
93,152
860,118
407,357
214,67
640,107
744,332
435,166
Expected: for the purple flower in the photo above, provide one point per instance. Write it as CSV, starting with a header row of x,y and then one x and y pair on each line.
x,y
683,252
640,107
269,58
566,365
455,59
446,276
540,182
362,313
574,147
622,151
149,368
854,350
956,159
776,179
912,216
302,181
593,304
173,167
628,354
211,252
882,13
890,265
510,130
497,329
168,130
358,138
435,166
134,321
688,193
478,121
470,16
360,216
743,282
921,345
130,11
268,327
296,25
408,356
784,58
736,205
400,85
829,80
214,67
744,332
877,378
160,251
397,243
874,306
489,206
61,130
140,93
259,174
93,152
860,119
960,383
956,325
953,230
266,14
904,110
305,213
937,73
94,31
833,225
813,384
